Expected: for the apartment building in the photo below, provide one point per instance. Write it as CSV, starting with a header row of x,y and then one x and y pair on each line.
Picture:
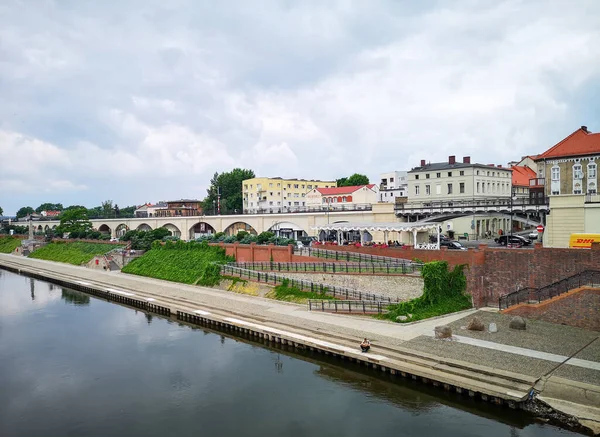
x,y
570,171
393,185
455,181
272,195
180,208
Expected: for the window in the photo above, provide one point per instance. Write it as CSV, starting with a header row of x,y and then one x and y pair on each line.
x,y
296,195
483,187
295,185
344,198
449,174
416,190
251,195
278,203
417,176
324,200
271,193
271,185
438,189
278,185
478,187
289,185
449,188
488,173
555,180
250,185
461,188
577,171
251,204
296,203
270,203
438,175
555,173
391,179
592,170
302,186
427,176
309,187
428,189
462,172
245,186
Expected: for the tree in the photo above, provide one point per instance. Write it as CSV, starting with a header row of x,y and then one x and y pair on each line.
x,y
355,179
1,211
74,220
107,208
49,207
230,186
26,210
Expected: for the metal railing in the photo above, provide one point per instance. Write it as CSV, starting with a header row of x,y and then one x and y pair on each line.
x,y
536,295
501,203
315,287
333,207
329,267
348,306
340,255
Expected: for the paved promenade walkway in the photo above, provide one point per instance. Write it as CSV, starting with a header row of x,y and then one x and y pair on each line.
x,y
561,362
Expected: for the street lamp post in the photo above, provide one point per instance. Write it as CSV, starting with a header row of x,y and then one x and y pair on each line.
x,y
513,197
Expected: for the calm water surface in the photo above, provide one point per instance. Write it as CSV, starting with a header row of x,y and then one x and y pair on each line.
x,y
74,365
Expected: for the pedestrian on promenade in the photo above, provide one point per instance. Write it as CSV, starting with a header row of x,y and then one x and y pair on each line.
x,y
365,345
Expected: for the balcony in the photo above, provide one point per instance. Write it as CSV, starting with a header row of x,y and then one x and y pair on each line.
x,y
592,198
521,204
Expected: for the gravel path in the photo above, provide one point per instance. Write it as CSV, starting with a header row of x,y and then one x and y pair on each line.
x,y
396,287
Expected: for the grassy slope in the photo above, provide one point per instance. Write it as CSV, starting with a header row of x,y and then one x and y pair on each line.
x,y
72,253
9,244
287,293
187,264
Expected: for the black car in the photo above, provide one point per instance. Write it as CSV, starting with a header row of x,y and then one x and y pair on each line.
x,y
452,245
514,239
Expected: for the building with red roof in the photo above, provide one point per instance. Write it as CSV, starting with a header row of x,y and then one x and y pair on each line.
x,y
571,165
351,197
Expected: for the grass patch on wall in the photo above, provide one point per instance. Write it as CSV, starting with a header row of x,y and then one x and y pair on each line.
x,y
8,244
444,293
287,293
189,263
76,253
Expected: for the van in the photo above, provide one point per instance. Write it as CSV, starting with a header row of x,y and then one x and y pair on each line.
x,y
583,241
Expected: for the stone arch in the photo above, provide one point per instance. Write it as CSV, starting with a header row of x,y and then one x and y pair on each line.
x,y
46,228
144,227
175,232
105,229
287,230
236,227
53,227
121,230
39,229
200,229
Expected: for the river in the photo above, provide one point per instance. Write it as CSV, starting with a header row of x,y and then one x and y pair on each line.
x,y
75,365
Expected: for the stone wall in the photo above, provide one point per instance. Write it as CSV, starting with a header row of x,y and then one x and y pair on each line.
x,y
259,253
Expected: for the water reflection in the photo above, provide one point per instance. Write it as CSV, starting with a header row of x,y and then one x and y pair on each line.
x,y
74,297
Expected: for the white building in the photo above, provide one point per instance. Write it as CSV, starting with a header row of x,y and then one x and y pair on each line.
x,y
149,210
392,185
353,197
454,181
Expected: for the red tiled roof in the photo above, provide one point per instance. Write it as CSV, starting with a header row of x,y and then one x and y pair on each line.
x,y
521,175
343,190
581,142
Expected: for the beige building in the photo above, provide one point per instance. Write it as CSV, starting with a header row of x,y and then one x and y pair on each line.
x,y
570,171
266,195
456,181
353,197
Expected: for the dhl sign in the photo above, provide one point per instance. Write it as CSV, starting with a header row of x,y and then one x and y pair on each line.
x,y
583,241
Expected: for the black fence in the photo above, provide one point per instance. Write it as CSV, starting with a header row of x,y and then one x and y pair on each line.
x,y
340,255
536,295
348,306
329,267
315,287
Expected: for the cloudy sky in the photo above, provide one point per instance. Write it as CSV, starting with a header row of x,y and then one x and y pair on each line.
x,y
138,101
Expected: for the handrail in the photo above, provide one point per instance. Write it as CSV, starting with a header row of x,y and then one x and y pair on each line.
x,y
331,267
315,287
529,294
340,255
348,306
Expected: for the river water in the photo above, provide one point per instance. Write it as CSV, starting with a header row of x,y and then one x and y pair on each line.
x,y
75,365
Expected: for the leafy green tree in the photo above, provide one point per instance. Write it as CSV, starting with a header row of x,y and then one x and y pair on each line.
x,y
107,209
126,212
355,179
264,237
49,207
1,211
74,220
230,186
74,207
26,210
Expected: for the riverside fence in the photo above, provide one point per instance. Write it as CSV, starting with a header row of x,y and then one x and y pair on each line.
x,y
330,267
315,287
348,306
339,255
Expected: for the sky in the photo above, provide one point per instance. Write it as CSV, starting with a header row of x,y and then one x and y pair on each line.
x,y
144,100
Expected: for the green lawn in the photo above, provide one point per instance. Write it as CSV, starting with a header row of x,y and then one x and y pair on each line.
x,y
189,263
287,293
8,244
76,253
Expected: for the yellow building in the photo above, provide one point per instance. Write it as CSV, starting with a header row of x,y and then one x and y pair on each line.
x,y
265,195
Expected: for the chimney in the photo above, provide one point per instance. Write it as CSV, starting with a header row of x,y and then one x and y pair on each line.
x,y
422,163
466,160
452,160
584,128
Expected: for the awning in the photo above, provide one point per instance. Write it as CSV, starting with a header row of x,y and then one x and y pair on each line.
x,y
383,227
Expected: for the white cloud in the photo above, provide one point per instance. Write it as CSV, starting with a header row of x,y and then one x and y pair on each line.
x,y
97,96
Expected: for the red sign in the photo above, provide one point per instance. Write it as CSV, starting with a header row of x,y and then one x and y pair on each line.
x,y
540,228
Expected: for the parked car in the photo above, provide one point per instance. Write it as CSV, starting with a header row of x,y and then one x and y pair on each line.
x,y
433,238
453,245
533,235
514,239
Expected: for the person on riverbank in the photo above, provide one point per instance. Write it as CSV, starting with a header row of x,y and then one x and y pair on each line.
x,y
365,345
